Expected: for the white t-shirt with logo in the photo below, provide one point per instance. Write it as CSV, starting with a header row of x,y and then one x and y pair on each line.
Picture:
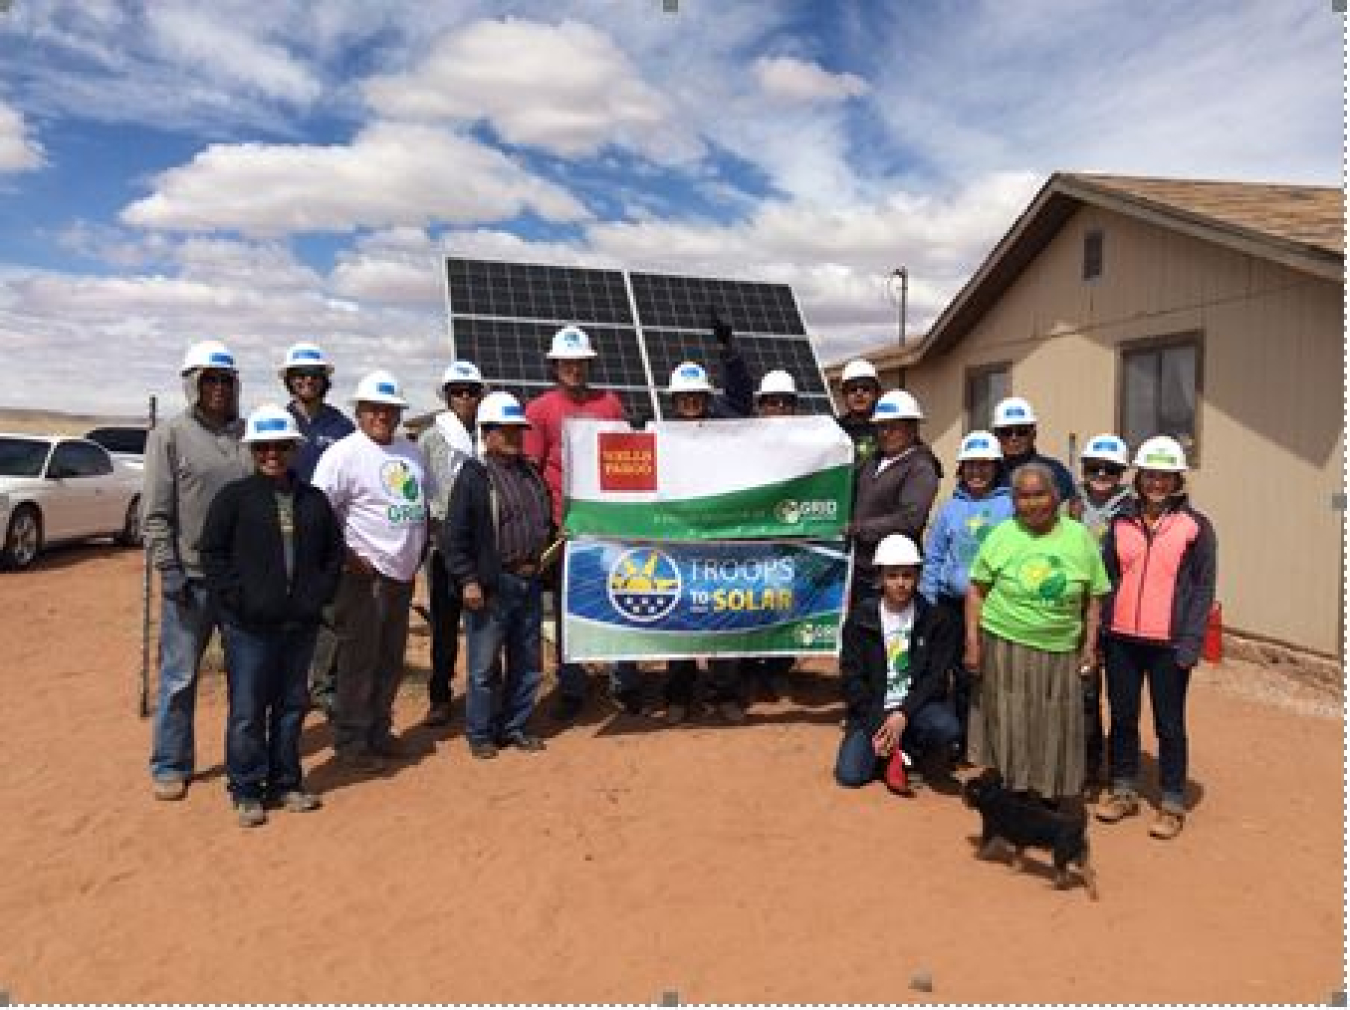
x,y
379,495
896,631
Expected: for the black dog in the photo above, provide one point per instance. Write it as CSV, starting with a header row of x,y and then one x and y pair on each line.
x,y
1025,822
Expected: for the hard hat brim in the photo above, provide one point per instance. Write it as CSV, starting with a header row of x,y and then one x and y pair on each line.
x,y
388,401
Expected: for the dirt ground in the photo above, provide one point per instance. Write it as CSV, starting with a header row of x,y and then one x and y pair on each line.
x,y
627,861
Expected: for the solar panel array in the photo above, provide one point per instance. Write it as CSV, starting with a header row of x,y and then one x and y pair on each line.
x,y
503,316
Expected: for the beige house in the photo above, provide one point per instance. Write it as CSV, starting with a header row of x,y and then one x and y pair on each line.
x,y
1210,311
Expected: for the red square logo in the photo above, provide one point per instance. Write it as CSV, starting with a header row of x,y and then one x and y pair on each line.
x,y
627,461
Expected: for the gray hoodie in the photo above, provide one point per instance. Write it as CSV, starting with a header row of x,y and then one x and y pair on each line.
x,y
186,463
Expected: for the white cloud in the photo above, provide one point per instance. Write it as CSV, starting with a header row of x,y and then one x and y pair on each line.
x,y
391,174
567,89
19,150
794,80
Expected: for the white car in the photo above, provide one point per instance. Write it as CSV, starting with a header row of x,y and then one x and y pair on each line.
x,y
56,489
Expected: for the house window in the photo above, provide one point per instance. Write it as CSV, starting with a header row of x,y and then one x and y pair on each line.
x,y
1092,254
985,386
1160,391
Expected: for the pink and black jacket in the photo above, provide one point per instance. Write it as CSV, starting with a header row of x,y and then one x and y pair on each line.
x,y
1162,580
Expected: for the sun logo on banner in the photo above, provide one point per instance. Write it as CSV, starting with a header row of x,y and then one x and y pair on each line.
x,y
644,584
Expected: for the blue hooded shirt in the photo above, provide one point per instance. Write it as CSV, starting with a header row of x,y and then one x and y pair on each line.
x,y
954,538
331,425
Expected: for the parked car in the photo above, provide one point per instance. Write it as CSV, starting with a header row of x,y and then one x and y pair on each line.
x,y
54,488
125,443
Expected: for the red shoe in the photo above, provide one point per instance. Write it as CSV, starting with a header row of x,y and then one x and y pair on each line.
x,y
897,778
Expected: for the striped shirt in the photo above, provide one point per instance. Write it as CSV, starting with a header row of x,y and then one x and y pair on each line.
x,y
522,509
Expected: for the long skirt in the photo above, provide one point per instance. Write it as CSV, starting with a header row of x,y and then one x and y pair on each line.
x,y
1026,717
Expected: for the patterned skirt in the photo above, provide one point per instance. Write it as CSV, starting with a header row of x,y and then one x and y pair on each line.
x,y
1026,717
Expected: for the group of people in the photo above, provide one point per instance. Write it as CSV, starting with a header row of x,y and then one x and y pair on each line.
x,y
298,533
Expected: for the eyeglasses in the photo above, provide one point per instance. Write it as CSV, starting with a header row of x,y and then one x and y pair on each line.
x,y
1022,430
217,379
462,391
1102,469
263,448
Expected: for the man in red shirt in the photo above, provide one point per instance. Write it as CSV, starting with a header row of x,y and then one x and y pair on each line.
x,y
570,355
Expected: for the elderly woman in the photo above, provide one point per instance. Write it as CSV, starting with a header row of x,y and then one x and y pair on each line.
x,y
1032,614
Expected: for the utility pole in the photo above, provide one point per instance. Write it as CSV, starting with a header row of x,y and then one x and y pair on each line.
x,y
902,275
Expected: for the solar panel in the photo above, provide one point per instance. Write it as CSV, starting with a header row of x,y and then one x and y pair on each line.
x,y
503,315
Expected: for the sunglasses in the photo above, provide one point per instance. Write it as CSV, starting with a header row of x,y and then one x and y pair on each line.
x,y
462,391
307,373
1103,470
263,448
857,387
1023,430
217,379
778,401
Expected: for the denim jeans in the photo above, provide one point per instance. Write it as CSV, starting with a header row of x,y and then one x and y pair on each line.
x,y
500,695
184,631
724,677
933,729
623,676
445,617
267,671
372,631
1128,663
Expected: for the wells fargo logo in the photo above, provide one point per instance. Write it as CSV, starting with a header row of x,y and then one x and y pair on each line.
x,y
627,461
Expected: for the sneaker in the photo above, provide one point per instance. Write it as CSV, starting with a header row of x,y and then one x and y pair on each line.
x,y
731,711
170,789
1117,807
483,750
523,741
357,761
1167,824
676,713
568,708
297,801
897,775
438,714
250,813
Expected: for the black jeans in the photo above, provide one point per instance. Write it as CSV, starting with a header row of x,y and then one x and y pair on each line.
x,y
446,609
1128,663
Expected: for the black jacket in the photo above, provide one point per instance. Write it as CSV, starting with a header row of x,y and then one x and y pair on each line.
x,y
468,537
934,645
898,500
243,560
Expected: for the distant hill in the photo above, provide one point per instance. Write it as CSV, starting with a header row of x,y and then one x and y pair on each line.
x,y
55,422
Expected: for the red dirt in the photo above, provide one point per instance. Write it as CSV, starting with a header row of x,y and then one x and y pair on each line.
x,y
628,860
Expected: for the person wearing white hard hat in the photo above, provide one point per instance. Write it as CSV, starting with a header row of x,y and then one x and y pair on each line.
x,y
571,355
976,506
1161,557
188,459
307,374
1014,422
893,662
895,489
499,526
272,552
861,388
776,395
376,483
446,443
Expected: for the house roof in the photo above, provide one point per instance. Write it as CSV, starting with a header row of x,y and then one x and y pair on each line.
x,y
1302,227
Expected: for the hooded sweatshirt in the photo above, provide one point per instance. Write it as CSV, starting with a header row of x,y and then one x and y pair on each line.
x,y
188,459
897,499
955,537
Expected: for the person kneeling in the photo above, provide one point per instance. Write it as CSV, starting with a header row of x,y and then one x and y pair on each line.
x,y
897,650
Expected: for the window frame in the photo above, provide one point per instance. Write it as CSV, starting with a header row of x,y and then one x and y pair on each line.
x,y
976,373
1157,345
1099,235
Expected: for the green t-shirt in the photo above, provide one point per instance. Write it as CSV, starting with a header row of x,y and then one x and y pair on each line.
x,y
1037,583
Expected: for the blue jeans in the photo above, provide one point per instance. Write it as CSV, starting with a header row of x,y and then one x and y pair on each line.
x,y
508,626
184,630
933,729
1128,663
268,675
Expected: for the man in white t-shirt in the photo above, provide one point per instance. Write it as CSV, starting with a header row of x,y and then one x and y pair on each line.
x,y
376,484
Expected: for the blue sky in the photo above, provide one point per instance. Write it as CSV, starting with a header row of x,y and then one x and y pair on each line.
x,y
263,173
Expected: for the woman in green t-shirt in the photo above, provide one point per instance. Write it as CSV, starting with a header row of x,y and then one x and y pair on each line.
x,y
1031,632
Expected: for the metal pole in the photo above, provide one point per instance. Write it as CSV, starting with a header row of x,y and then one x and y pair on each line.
x,y
903,274
145,593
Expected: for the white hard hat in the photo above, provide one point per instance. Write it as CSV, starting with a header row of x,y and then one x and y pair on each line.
x,y
1109,447
859,368
463,373
571,342
379,387
979,445
689,377
304,355
270,423
1012,410
897,405
501,408
1161,453
776,383
208,354
896,549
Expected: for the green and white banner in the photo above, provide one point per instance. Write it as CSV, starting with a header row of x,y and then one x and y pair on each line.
x,y
625,599
778,477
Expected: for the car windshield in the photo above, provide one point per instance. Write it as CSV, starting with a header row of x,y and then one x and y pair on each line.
x,y
130,440
22,457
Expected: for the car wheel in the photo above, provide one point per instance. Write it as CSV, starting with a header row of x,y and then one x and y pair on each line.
x,y
130,534
23,539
